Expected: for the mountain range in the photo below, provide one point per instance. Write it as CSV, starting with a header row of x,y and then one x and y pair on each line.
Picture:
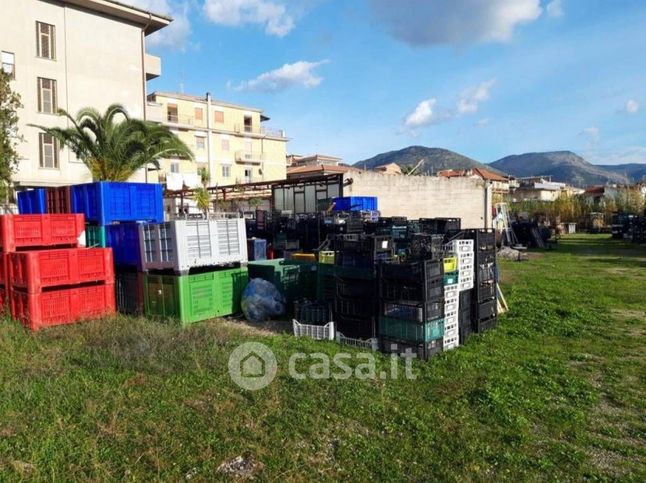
x,y
563,166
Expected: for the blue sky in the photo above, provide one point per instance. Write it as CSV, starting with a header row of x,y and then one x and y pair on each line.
x,y
485,78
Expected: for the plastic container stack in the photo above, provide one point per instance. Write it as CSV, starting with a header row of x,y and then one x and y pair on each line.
x,y
47,278
484,305
412,308
32,202
294,279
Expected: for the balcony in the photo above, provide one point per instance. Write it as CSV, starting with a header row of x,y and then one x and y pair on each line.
x,y
249,157
155,112
259,131
184,120
152,64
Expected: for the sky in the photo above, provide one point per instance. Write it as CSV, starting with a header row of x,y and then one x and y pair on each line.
x,y
485,78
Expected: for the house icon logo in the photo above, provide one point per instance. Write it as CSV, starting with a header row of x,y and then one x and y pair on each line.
x,y
252,366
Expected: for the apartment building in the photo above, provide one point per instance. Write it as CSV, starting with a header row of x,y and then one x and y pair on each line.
x,y
229,140
72,54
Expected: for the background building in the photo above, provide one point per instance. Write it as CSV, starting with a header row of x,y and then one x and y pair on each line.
x,y
72,54
229,140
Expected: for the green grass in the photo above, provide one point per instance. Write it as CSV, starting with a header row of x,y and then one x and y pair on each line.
x,y
556,392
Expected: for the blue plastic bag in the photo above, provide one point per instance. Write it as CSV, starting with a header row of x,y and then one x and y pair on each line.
x,y
261,301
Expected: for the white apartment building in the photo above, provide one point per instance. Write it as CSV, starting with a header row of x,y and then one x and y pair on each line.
x,y
72,54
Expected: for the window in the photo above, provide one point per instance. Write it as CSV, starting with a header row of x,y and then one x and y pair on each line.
x,y
218,116
174,167
8,64
46,40
171,113
225,144
247,175
199,113
48,151
226,171
199,142
47,95
248,124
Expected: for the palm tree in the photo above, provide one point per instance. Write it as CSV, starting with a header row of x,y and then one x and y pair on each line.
x,y
114,151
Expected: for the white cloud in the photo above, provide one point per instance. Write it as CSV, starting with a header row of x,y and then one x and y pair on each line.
x,y
483,122
472,97
632,106
422,115
299,73
555,8
233,13
593,137
176,35
426,22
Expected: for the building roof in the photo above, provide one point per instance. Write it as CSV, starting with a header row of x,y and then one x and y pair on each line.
x,y
595,190
188,97
321,168
151,22
481,172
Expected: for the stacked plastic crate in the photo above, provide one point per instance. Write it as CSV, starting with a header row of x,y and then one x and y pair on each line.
x,y
49,279
451,304
411,308
196,269
460,282
32,202
355,301
484,297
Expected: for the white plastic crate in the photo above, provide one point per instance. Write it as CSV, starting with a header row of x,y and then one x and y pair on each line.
x,y
451,305
450,323
450,291
467,285
451,343
465,260
459,246
372,344
184,244
316,332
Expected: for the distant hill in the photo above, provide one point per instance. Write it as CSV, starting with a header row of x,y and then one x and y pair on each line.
x,y
635,171
435,159
563,166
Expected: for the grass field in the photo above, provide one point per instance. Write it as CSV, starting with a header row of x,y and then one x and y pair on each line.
x,y
556,392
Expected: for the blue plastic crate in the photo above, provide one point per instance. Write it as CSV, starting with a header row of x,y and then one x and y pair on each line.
x,y
32,202
123,238
257,249
106,202
355,203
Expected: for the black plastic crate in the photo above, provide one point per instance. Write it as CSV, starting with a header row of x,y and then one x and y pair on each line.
x,y
129,291
398,290
484,310
361,260
356,288
439,225
484,325
464,332
347,307
486,272
423,351
485,291
419,271
355,327
314,313
425,246
414,311
465,298
488,256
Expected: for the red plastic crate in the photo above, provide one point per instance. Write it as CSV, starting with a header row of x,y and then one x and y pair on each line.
x,y
4,259
35,270
59,200
58,307
18,231
3,300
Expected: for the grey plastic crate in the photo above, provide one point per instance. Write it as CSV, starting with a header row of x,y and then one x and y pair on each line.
x,y
184,244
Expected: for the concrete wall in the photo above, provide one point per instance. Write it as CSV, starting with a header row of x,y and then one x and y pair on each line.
x,y
98,62
425,196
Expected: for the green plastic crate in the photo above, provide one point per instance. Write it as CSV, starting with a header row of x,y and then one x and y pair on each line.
x,y
294,279
193,298
95,235
451,278
411,331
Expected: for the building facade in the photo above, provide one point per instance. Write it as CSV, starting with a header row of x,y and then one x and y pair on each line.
x,y
229,140
72,54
